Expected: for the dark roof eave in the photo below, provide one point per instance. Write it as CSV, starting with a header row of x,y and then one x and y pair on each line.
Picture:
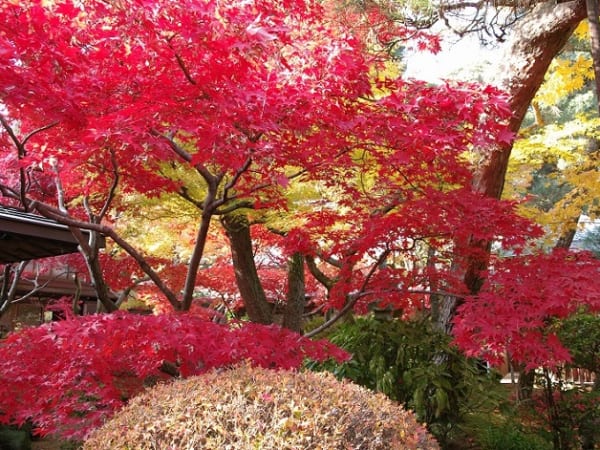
x,y
25,236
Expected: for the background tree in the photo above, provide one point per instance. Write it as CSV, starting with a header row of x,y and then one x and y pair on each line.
x,y
555,157
532,40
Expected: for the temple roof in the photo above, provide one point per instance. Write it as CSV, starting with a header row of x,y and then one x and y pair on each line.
x,y
25,236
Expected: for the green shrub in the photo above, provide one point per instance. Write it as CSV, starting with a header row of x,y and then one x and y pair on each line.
x,y
14,439
416,366
251,408
571,413
580,333
510,437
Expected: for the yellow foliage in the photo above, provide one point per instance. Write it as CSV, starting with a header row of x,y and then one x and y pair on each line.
x,y
389,70
162,227
567,74
582,31
564,77
568,154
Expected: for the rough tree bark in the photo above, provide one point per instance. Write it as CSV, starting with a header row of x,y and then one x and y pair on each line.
x,y
594,23
536,40
237,229
296,295
90,250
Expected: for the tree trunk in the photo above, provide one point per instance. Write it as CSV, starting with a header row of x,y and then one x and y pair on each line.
x,y
525,384
5,283
296,295
100,285
237,228
536,40
594,23
90,250
566,238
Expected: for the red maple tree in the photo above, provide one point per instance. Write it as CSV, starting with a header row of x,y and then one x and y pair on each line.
x,y
240,99
522,296
112,357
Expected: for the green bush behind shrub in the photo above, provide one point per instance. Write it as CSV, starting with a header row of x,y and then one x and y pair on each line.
x,y
416,366
509,437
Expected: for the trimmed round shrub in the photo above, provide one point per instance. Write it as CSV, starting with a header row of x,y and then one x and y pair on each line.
x,y
255,408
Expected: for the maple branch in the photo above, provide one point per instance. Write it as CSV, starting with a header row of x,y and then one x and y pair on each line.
x,y
235,206
186,156
20,154
38,130
228,186
252,137
91,244
208,210
194,264
186,72
352,299
406,291
13,136
392,201
88,247
9,192
113,187
180,61
124,294
37,288
318,274
60,193
54,213
330,260
231,183
9,292
5,279
179,150
184,193
259,187
293,176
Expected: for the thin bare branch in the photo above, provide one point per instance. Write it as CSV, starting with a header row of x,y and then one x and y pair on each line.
x,y
13,137
38,130
60,192
36,288
113,187
351,299
54,213
18,271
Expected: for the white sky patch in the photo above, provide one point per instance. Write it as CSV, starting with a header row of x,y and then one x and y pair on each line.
x,y
460,58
